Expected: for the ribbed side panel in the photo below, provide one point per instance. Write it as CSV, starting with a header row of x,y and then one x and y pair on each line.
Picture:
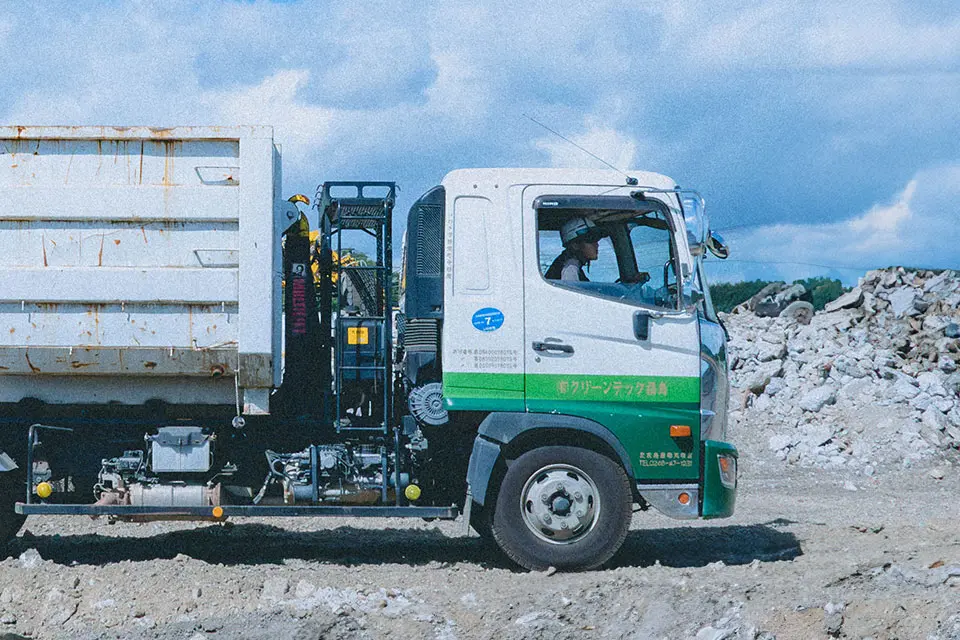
x,y
421,335
430,240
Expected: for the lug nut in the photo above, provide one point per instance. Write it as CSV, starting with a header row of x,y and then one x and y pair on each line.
x,y
547,519
578,496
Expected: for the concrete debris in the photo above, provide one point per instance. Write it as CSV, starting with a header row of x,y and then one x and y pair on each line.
x,y
851,299
901,301
869,385
780,299
274,589
709,633
58,608
832,624
30,559
815,400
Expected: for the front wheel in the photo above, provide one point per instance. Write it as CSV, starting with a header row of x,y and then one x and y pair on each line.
x,y
564,507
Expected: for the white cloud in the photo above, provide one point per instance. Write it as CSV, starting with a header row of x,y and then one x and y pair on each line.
x,y
918,227
300,126
882,227
614,147
816,34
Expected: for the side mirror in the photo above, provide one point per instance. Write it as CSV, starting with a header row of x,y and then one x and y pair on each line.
x,y
717,246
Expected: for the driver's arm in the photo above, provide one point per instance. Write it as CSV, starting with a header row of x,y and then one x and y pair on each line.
x,y
570,273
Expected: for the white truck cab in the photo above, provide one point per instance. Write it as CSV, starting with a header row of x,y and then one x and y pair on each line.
x,y
620,353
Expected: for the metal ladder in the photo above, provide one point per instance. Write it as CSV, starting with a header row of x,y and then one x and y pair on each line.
x,y
365,207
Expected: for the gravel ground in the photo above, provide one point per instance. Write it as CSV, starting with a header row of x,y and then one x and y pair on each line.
x,y
846,526
809,554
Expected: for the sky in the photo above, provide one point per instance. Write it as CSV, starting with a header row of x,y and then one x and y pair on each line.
x,y
824,136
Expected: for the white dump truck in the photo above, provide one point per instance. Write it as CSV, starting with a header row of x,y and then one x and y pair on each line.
x,y
174,345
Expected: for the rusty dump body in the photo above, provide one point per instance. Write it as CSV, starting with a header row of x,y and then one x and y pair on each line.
x,y
139,264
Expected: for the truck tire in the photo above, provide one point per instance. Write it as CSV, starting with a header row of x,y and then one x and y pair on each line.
x,y
562,507
799,311
11,491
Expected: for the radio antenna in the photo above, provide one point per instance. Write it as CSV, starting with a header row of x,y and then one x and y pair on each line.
x,y
630,179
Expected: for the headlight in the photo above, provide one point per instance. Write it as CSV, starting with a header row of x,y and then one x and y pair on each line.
x,y
728,470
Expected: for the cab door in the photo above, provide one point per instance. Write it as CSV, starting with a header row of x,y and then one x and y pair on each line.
x,y
592,352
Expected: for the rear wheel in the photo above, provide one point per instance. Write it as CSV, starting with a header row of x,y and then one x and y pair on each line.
x,y
11,490
564,507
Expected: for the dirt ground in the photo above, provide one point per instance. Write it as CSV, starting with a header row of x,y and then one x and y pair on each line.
x,y
809,554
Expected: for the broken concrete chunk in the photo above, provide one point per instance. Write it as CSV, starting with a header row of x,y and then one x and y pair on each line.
x,y
850,300
815,400
274,589
901,301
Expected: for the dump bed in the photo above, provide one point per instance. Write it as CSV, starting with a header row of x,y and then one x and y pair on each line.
x,y
139,264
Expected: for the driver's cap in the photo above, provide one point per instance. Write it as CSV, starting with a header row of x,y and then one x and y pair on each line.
x,y
580,229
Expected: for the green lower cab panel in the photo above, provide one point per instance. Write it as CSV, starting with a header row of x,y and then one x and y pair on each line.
x,y
638,410
483,391
720,462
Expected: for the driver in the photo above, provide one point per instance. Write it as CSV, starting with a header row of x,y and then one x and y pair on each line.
x,y
581,244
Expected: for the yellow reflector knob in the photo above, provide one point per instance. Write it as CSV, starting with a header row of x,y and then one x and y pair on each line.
x,y
218,512
412,492
358,335
44,490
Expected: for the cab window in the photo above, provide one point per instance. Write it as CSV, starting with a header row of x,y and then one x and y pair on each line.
x,y
624,253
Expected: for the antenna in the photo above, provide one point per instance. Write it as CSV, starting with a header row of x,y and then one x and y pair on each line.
x,y
630,179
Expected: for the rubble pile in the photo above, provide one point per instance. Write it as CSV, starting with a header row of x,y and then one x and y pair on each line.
x,y
870,383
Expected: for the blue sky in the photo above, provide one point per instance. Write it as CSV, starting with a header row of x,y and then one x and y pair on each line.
x,y
825,133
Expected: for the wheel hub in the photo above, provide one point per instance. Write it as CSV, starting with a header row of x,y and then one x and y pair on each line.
x,y
561,506
560,503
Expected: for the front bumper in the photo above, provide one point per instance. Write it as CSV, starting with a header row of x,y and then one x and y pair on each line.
x,y
720,475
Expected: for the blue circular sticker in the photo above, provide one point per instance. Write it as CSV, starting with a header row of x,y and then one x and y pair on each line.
x,y
488,319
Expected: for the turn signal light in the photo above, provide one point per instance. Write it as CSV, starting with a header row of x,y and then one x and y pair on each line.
x,y
680,431
218,512
728,470
684,498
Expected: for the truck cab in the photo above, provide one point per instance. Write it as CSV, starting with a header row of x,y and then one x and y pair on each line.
x,y
588,393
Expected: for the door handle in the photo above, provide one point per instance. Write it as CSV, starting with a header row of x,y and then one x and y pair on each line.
x,y
552,346
641,323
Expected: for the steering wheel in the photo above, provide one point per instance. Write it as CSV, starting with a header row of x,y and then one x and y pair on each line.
x,y
642,278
